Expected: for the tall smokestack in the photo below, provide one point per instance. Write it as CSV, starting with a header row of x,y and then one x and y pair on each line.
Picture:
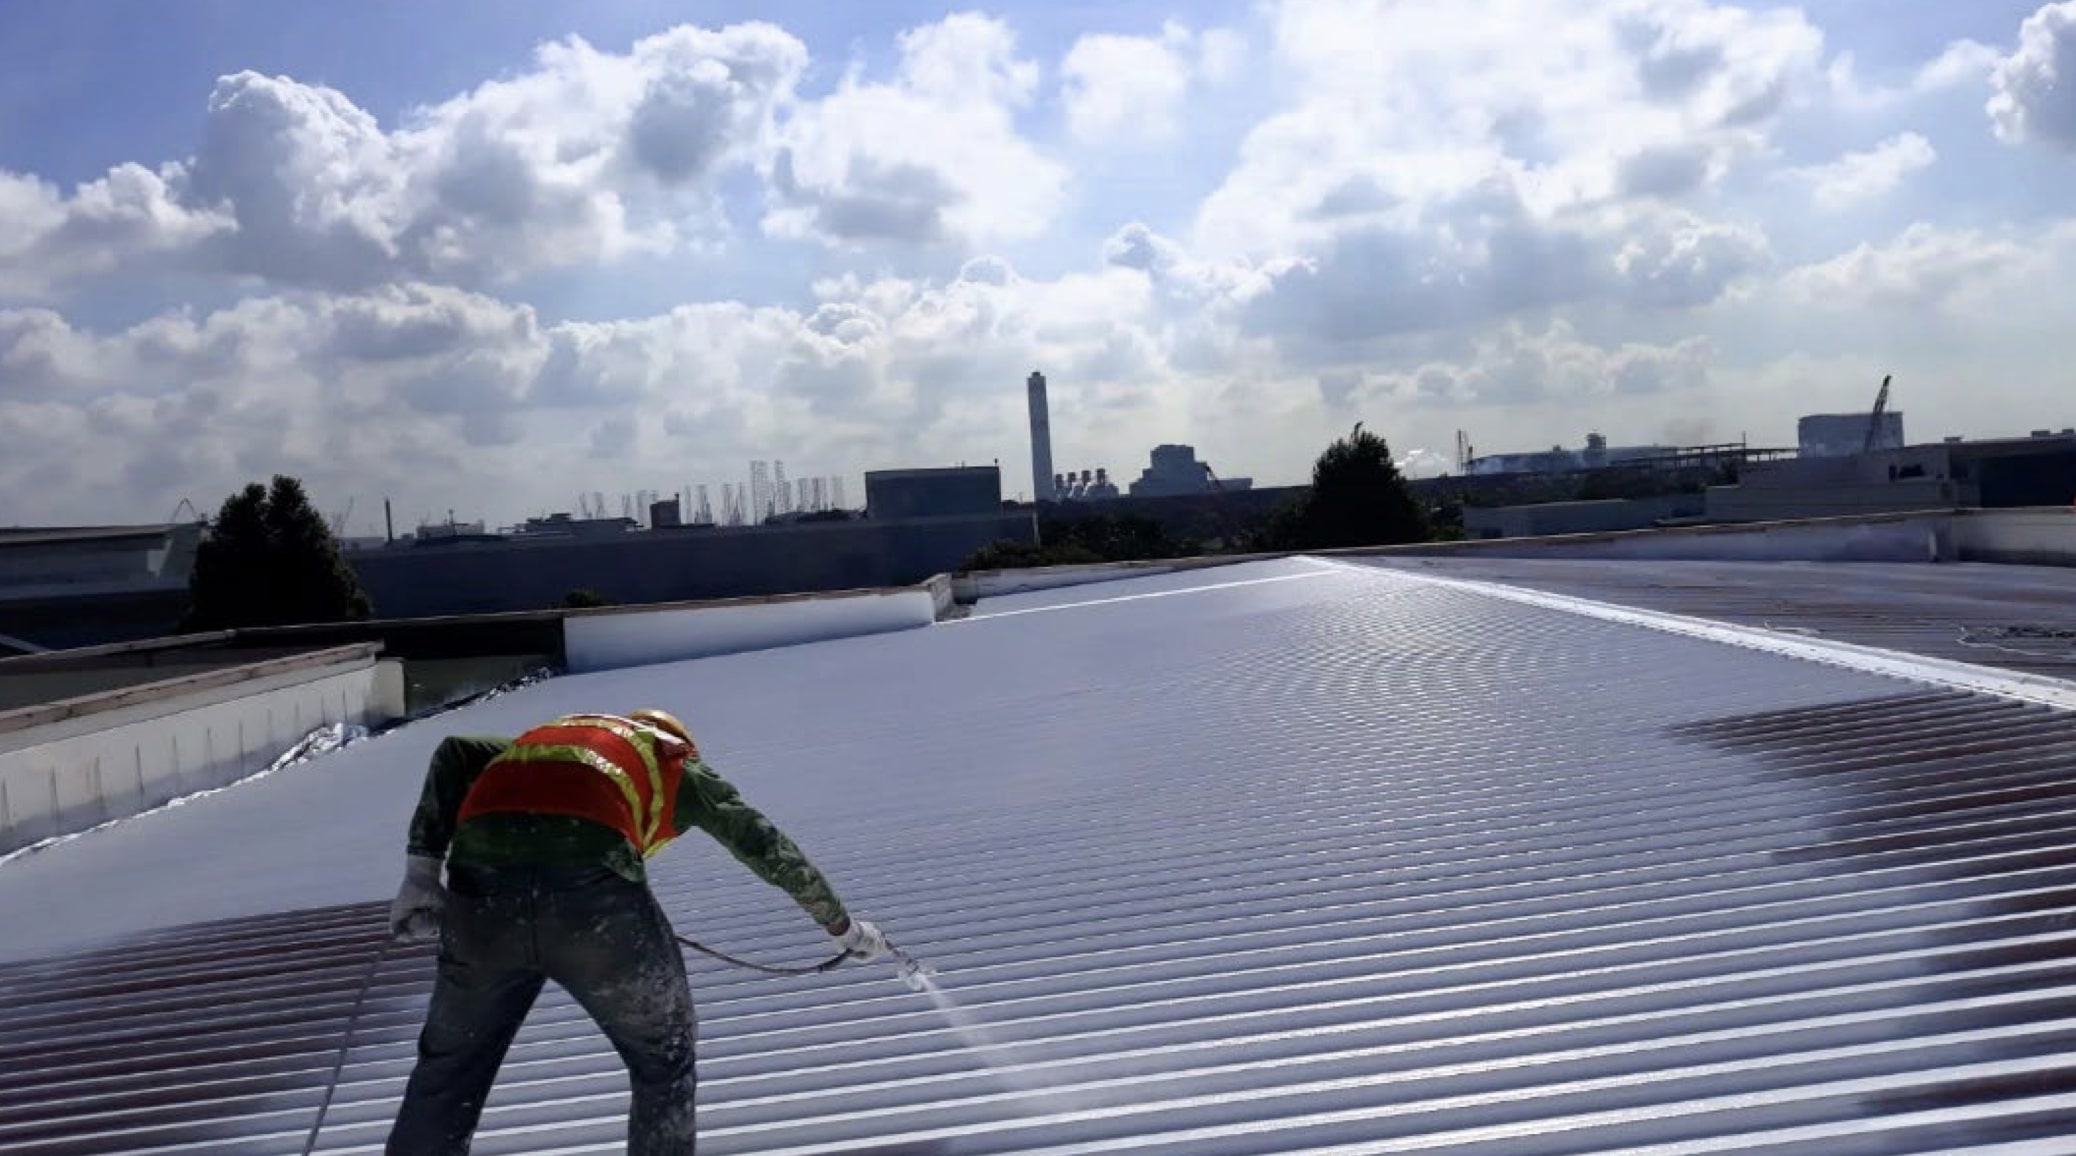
x,y
1041,440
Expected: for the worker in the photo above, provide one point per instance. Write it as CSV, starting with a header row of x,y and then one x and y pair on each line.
x,y
544,839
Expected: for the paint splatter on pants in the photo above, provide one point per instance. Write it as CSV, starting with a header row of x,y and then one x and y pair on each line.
x,y
600,937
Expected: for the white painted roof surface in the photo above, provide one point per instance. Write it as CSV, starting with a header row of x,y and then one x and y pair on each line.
x,y
1314,860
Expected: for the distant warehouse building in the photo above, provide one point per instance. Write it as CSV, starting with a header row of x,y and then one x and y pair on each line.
x,y
1841,435
66,586
1997,473
933,493
536,572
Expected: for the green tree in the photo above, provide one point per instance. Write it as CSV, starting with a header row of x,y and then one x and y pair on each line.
x,y
1114,537
269,560
1009,554
584,598
1357,498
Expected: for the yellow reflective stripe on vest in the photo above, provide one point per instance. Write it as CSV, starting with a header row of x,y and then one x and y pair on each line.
x,y
644,743
560,753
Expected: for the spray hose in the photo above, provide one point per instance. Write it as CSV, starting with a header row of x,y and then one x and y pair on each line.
x,y
913,971
331,1086
829,964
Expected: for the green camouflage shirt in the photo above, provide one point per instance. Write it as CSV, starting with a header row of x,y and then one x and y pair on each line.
x,y
705,802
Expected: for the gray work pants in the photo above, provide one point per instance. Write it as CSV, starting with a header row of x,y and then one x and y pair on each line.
x,y
605,941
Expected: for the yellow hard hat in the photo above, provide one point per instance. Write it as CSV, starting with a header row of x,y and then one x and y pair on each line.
x,y
664,721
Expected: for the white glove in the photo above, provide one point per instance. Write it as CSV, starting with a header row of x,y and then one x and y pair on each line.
x,y
414,915
864,940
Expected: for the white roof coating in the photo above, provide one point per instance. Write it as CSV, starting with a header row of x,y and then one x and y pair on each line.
x,y
1267,860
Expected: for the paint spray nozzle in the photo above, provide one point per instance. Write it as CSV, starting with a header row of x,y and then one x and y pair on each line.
x,y
914,972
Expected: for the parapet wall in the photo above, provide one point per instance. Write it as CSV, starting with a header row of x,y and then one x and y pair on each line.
x,y
1918,537
2038,536
2041,536
636,636
69,765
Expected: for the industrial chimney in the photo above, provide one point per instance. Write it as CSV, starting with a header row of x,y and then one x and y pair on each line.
x,y
1041,440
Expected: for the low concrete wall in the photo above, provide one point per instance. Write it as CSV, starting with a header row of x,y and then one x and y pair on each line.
x,y
972,587
1912,540
1754,503
66,766
996,583
613,637
943,596
2040,537
1577,517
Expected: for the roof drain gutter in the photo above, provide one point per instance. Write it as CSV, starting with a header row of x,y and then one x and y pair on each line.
x,y
2030,689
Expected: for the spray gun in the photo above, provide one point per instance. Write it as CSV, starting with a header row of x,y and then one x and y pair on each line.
x,y
914,972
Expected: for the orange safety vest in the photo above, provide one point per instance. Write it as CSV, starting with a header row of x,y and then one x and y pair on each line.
x,y
599,767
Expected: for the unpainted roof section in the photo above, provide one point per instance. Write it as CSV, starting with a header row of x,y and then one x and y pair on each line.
x,y
1337,864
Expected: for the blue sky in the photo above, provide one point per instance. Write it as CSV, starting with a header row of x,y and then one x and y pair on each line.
x,y
490,254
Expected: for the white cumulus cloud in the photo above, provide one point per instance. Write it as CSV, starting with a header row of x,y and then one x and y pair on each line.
x,y
1515,363
1129,90
2035,98
585,157
931,156
1866,175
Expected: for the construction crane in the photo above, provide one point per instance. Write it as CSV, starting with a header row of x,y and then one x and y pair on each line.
x,y
339,520
1881,405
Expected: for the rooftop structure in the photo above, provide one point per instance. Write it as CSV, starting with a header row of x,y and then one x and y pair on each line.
x,y
1291,857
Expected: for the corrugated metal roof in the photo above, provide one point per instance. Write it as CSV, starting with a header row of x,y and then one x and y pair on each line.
x,y
2019,618
1347,864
